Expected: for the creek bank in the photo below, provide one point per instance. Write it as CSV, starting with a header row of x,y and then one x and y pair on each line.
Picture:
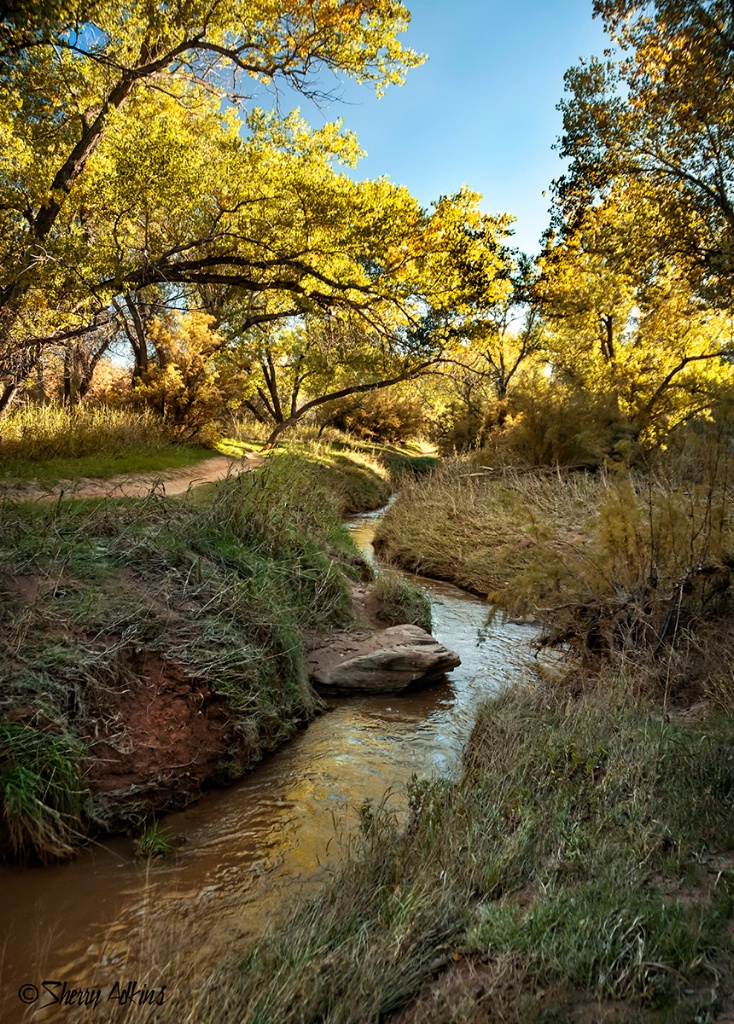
x,y
156,648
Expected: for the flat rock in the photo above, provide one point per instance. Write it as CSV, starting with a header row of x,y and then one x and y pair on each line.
x,y
387,661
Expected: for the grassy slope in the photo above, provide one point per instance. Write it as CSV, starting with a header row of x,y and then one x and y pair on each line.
x,y
580,870
220,590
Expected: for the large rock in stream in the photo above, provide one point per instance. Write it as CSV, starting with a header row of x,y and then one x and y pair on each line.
x,y
387,661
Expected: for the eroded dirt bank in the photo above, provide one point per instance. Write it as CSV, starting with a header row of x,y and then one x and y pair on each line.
x,y
156,648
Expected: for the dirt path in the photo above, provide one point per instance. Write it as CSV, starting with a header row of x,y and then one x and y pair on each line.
x,y
136,485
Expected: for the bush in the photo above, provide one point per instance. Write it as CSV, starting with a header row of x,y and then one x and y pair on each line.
x,y
549,426
391,414
401,601
184,385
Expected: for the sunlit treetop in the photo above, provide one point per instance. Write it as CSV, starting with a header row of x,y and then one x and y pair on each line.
x,y
220,41
660,107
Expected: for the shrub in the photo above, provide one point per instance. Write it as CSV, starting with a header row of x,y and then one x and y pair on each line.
x,y
550,426
391,414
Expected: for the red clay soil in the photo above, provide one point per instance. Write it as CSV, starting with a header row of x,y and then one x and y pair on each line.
x,y
159,740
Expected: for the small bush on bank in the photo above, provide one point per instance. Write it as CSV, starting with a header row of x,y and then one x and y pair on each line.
x,y
400,600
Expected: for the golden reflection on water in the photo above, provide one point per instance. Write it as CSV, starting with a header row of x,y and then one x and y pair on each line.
x,y
248,852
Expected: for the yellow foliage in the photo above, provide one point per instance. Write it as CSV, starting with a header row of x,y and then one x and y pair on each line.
x,y
185,386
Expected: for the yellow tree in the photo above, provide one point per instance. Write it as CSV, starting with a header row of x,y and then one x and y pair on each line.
x,y
660,111
626,323
426,279
120,102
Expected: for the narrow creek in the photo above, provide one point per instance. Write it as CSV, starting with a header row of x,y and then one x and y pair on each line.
x,y
247,852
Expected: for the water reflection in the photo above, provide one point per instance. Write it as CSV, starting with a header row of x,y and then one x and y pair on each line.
x,y
248,851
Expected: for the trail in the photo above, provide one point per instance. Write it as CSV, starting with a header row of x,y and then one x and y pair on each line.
x,y
137,485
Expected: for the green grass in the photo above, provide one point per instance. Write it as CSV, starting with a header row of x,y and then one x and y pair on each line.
x,y
50,443
356,481
101,467
238,448
154,841
40,433
585,854
350,479
410,459
401,600
40,791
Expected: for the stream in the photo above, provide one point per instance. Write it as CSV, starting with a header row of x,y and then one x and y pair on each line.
x,y
247,852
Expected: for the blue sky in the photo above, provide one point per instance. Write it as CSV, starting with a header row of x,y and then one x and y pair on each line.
x,y
481,111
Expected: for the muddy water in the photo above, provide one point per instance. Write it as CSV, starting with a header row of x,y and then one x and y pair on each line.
x,y
246,853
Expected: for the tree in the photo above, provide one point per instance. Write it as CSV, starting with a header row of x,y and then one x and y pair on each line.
x,y
638,279
661,113
626,323
119,167
508,335
183,383
296,370
437,277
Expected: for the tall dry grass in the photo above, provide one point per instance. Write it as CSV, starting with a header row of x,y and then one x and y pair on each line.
x,y
618,563
39,432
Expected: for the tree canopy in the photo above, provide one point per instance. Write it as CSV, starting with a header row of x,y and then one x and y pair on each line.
x,y
660,110
129,157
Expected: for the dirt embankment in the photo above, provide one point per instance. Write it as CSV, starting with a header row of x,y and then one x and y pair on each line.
x,y
162,638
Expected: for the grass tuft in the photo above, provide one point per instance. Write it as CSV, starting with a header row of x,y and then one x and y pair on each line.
x,y
154,841
401,600
40,790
